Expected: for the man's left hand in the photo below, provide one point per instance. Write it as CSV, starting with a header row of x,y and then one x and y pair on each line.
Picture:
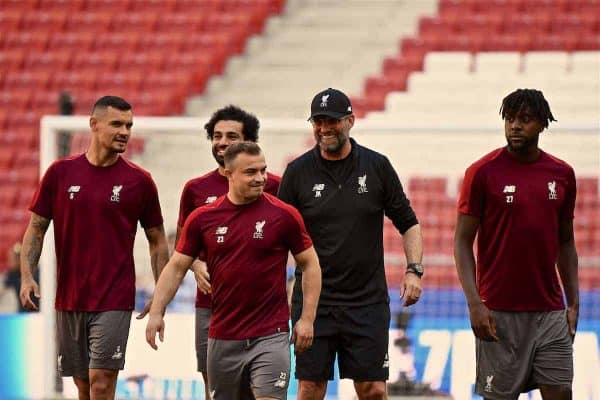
x,y
302,336
572,317
411,289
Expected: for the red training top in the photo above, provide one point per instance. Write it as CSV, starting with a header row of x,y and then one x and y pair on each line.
x,y
246,248
520,206
95,211
204,190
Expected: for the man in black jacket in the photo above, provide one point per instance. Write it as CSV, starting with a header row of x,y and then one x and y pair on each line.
x,y
342,191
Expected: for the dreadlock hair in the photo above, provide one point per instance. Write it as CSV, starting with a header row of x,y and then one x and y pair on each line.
x,y
527,99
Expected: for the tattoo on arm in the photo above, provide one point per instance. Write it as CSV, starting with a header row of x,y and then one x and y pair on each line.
x,y
38,226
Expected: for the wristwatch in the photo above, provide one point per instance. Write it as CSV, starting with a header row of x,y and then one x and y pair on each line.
x,y
415,268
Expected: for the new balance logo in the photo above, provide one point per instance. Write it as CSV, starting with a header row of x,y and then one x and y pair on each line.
x,y
210,199
72,190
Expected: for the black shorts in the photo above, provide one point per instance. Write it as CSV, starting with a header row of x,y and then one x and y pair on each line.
x,y
358,335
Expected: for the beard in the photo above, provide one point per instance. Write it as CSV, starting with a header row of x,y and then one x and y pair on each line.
x,y
522,146
335,146
219,159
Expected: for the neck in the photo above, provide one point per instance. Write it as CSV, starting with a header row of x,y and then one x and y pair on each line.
x,y
100,157
221,170
340,155
234,198
526,156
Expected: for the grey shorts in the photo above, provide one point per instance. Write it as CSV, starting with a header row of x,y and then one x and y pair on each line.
x,y
202,322
535,348
91,341
239,369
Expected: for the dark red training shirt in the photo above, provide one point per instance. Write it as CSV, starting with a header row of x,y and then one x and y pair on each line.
x,y
95,211
246,248
520,206
204,190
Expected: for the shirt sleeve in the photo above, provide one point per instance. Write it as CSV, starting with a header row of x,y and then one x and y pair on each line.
x,y
151,213
286,192
396,205
568,207
297,237
272,185
185,207
43,199
472,192
190,243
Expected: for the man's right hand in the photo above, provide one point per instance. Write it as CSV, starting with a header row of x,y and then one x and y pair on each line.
x,y
29,286
202,276
483,322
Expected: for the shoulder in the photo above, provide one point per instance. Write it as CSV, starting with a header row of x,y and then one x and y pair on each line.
x,y
198,181
371,156
273,178
484,162
561,164
280,205
207,208
66,163
301,161
136,170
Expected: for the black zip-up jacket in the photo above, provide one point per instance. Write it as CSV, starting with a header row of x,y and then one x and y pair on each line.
x,y
345,221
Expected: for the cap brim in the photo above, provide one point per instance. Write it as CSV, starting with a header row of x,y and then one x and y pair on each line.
x,y
331,114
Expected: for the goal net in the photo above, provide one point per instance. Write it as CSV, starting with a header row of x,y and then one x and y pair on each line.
x,y
430,160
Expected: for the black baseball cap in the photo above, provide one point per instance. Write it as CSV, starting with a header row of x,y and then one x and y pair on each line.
x,y
331,103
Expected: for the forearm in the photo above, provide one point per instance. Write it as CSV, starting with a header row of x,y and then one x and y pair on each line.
x,y
465,267
31,248
166,287
412,241
568,269
311,290
159,249
159,256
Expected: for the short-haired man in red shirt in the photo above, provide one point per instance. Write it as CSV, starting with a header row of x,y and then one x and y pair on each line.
x,y
95,200
519,202
245,236
226,126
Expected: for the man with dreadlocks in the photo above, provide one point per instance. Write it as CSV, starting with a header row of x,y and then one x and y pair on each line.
x,y
519,201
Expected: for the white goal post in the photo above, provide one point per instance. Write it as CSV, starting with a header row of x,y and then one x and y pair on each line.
x,y
176,149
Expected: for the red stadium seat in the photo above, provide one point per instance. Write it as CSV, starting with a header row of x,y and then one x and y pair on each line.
x,y
587,185
19,5
123,42
12,59
120,82
520,43
435,25
167,42
588,42
480,25
47,101
115,6
22,120
80,41
79,79
554,42
55,61
89,21
34,80
26,40
181,22
47,21
102,61
158,6
10,20
198,6
506,7
71,6
137,22
142,61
